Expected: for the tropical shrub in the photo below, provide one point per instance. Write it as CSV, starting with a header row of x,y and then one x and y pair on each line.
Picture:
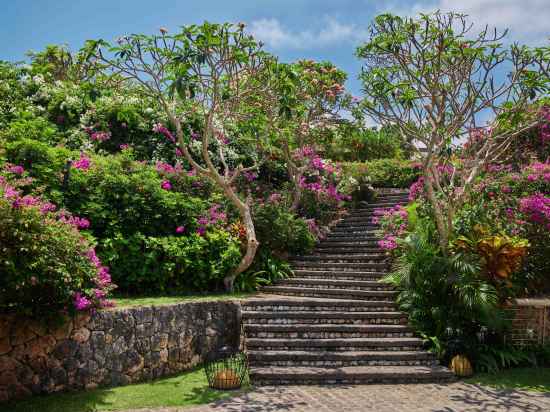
x,y
382,173
171,264
281,231
48,267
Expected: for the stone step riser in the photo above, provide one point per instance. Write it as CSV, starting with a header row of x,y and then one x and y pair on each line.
x,y
313,321
316,294
324,261
320,250
343,277
357,240
379,287
326,335
334,267
366,306
341,364
267,347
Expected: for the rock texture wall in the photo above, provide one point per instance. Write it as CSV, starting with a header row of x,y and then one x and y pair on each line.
x,y
112,347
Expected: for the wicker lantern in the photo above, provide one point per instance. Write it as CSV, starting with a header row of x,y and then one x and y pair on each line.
x,y
226,369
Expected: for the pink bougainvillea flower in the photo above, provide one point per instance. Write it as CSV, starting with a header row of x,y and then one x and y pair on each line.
x,y
16,170
83,163
166,185
100,136
81,302
180,229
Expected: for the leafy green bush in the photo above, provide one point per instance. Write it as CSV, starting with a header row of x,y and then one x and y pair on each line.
x,y
149,264
281,231
28,126
47,266
382,173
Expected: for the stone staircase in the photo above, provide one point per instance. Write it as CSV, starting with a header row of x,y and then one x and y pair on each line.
x,y
334,321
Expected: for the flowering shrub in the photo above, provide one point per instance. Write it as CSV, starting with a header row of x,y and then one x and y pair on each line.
x,y
48,267
393,225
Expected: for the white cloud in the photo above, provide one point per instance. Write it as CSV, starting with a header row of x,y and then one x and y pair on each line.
x,y
275,35
528,20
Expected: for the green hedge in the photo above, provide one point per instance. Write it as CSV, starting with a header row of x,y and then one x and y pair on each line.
x,y
383,172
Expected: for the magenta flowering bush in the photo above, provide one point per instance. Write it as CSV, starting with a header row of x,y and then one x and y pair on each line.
x,y
48,266
393,225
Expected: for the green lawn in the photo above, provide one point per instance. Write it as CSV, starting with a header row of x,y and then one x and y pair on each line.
x,y
129,301
530,379
183,390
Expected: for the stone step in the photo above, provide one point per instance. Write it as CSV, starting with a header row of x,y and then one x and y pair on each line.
x,y
341,359
345,267
378,295
339,275
357,218
380,205
321,250
349,375
340,344
354,231
278,304
364,225
335,284
355,257
323,318
308,331
369,238
342,242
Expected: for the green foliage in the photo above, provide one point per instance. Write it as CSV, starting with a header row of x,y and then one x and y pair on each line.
x,y
267,269
382,173
28,126
446,297
354,144
44,262
281,231
494,358
155,264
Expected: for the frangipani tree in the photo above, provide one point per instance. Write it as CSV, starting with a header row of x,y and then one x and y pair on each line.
x,y
217,76
433,78
311,98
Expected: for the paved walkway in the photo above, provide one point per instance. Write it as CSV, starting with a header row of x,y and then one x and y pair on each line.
x,y
455,397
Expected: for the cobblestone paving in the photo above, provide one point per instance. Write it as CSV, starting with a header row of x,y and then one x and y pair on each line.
x,y
455,397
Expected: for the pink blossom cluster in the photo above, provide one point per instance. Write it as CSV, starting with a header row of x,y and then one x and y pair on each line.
x,y
83,163
537,209
538,171
100,136
75,221
15,169
102,279
498,168
394,223
417,189
214,217
160,128
389,242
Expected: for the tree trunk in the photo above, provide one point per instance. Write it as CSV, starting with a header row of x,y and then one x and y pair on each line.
x,y
251,241
440,221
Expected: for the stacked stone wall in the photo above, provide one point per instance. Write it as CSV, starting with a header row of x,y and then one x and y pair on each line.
x,y
111,347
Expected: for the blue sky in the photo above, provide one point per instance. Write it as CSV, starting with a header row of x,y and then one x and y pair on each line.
x,y
292,29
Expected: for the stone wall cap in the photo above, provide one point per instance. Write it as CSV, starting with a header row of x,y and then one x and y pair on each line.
x,y
542,301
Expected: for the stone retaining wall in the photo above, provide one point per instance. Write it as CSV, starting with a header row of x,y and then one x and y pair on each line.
x,y
111,347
